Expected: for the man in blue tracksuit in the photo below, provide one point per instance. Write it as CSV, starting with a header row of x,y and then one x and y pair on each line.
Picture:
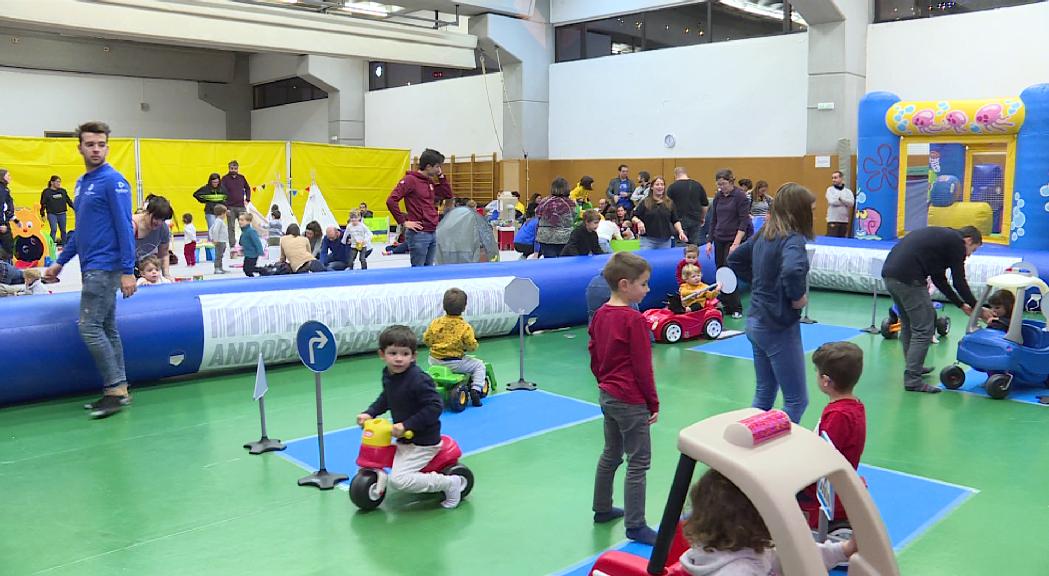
x,y
105,240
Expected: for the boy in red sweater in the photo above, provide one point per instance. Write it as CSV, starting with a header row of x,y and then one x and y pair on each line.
x,y
621,360
691,258
838,369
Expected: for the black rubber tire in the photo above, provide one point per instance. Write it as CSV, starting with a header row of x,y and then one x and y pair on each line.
x,y
997,385
361,490
672,332
943,325
952,377
712,328
458,398
461,470
886,329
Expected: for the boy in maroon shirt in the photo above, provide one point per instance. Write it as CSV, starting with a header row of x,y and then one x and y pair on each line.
x,y
838,368
421,191
621,360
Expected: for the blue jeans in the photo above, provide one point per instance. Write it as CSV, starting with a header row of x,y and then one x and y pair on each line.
x,y
652,243
98,324
209,218
779,363
422,247
606,245
58,223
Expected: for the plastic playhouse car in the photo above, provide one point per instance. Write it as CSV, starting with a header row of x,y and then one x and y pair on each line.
x,y
890,327
674,323
368,486
1018,355
455,387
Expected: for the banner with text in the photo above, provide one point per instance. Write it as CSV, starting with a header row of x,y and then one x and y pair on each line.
x,y
240,326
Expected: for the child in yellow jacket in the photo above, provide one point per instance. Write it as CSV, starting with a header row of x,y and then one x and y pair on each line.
x,y
693,291
450,338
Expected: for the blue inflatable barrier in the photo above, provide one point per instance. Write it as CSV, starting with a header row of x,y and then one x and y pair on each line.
x,y
162,327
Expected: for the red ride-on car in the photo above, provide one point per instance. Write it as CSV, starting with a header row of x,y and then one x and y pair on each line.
x,y
674,323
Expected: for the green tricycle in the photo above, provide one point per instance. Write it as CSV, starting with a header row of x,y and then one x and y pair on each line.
x,y
455,387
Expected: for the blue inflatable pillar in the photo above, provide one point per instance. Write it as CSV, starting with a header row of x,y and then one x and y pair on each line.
x,y
1031,184
877,170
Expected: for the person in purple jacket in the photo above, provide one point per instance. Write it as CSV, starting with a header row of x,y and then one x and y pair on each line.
x,y
729,224
105,240
238,192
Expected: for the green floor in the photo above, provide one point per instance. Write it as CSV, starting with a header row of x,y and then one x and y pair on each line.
x,y
165,487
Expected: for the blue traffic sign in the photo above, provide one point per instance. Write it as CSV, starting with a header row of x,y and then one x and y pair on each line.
x,y
317,346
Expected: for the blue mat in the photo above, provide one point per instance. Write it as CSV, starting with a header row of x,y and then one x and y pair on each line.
x,y
812,337
909,505
504,418
1019,393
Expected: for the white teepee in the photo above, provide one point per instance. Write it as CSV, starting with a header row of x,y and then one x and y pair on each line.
x,y
317,209
280,198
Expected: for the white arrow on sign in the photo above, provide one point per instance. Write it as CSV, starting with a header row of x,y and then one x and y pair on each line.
x,y
321,341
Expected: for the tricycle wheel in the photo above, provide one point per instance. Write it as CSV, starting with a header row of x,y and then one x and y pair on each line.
x,y
458,397
712,328
952,377
997,385
486,388
461,470
672,332
364,490
886,329
943,325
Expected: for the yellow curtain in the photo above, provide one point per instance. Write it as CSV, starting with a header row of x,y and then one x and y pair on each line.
x,y
32,162
346,176
175,169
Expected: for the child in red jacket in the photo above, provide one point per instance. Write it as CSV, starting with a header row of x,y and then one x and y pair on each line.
x,y
621,360
838,369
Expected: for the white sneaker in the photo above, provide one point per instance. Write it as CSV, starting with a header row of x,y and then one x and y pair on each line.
x,y
455,495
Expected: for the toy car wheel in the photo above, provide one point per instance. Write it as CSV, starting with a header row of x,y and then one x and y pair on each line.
x,y
460,470
943,325
458,398
886,329
672,332
486,388
997,385
952,377
712,328
364,490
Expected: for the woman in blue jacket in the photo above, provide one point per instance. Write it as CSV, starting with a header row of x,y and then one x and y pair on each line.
x,y
775,263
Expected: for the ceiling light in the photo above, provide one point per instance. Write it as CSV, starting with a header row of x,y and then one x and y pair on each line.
x,y
365,8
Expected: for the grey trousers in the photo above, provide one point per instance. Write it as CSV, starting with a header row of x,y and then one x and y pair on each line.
x,y
917,326
626,432
98,324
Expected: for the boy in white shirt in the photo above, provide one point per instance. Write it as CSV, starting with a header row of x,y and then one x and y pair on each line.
x,y
218,234
189,240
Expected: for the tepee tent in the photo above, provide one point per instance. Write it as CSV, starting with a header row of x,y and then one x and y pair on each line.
x,y
280,199
317,209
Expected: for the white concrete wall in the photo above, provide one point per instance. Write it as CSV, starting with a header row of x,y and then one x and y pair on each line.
x,y
450,115
568,11
36,101
301,121
740,98
977,55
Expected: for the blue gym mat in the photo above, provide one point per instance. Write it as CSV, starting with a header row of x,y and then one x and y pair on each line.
x,y
909,505
505,417
812,336
1019,393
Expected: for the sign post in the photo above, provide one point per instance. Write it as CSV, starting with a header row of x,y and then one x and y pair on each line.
x,y
522,296
317,350
265,443
875,273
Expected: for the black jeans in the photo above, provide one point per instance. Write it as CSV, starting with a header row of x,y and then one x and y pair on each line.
x,y
838,229
551,250
731,301
249,266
